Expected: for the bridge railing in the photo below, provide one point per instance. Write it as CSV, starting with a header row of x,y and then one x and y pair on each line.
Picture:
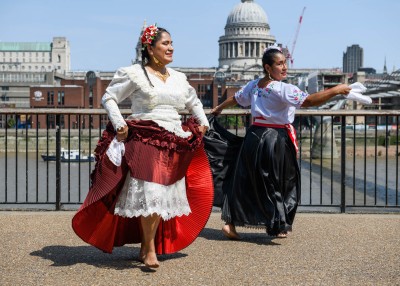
x,y
349,160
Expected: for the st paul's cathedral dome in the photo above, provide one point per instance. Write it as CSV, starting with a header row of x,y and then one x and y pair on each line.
x,y
247,34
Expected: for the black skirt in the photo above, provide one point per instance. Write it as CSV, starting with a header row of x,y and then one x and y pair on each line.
x,y
263,189
222,148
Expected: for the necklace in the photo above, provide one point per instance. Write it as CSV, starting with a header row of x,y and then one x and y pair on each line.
x,y
163,77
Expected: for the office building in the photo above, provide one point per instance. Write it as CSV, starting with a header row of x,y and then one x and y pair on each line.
x,y
353,59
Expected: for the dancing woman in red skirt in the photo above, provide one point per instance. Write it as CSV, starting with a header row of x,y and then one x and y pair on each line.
x,y
152,182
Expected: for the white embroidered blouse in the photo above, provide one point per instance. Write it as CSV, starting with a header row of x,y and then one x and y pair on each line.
x,y
276,103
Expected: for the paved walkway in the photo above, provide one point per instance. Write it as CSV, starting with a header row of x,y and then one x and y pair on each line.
x,y
40,248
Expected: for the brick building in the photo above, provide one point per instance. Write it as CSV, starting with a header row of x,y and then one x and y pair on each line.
x,y
85,91
71,92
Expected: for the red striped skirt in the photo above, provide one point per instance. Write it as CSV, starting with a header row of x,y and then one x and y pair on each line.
x,y
155,155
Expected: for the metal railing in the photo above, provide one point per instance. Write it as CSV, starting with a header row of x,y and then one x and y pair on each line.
x,y
345,166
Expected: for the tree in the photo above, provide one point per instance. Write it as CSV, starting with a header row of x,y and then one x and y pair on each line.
x,y
11,122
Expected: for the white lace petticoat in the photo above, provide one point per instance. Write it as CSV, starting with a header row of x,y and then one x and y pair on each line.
x,y
141,198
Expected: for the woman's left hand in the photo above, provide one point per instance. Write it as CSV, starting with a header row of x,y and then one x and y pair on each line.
x,y
122,133
342,89
203,129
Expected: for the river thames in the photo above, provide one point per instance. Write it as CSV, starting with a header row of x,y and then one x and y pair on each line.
x,y
372,182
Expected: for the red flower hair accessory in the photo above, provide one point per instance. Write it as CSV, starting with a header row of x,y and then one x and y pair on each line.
x,y
148,35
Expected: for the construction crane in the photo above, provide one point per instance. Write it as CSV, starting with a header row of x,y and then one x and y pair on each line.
x,y
290,54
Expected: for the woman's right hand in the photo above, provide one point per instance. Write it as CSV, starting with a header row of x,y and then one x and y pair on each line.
x,y
122,133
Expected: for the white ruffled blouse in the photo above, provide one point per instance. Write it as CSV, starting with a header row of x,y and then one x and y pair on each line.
x,y
161,104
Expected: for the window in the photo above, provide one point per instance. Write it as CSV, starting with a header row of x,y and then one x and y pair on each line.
x,y
4,96
50,98
51,121
104,121
60,98
62,121
205,94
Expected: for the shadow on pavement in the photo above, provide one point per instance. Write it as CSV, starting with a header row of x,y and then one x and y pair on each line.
x,y
256,237
121,258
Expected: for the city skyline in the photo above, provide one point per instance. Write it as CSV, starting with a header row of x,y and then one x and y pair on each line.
x,y
103,34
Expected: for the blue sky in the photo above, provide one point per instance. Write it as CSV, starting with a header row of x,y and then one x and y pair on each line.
x,y
103,33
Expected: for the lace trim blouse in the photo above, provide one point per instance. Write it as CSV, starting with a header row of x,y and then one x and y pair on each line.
x,y
161,103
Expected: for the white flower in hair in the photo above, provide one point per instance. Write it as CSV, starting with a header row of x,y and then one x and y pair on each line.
x,y
273,47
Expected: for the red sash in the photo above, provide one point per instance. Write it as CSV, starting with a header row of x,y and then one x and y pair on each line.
x,y
260,121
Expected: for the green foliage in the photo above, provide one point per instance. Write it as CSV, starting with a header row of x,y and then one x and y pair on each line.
x,y
11,123
392,140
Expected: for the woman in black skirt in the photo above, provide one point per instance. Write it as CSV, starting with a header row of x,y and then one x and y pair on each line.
x,y
266,186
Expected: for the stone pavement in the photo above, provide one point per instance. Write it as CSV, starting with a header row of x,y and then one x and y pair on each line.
x,y
40,248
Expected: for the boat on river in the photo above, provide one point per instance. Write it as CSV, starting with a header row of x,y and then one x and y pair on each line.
x,y
69,156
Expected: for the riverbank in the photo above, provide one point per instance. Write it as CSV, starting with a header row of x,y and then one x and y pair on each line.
x,y
47,141
361,151
86,140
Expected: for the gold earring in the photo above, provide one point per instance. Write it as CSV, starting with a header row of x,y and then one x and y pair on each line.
x,y
269,76
157,62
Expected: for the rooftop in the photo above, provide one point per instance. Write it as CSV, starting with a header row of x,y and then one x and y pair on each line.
x,y
25,46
